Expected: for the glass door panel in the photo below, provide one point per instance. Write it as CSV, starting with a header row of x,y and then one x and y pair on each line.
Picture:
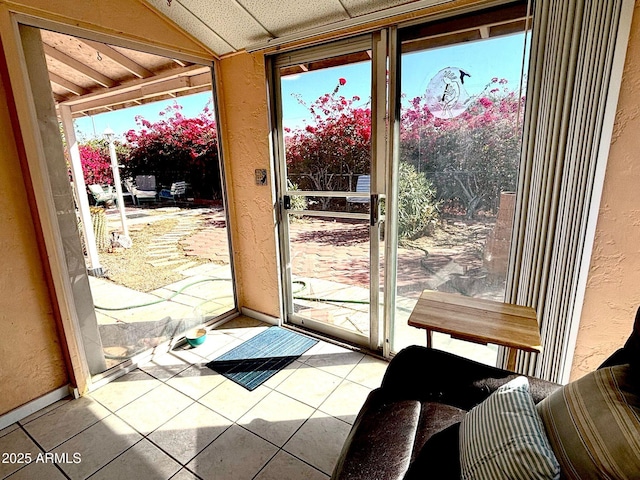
x,y
459,150
326,185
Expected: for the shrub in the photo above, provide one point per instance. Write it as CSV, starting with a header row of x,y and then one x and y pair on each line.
x,y
96,165
417,207
335,146
177,148
471,158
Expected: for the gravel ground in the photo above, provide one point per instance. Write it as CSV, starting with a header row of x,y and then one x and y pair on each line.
x,y
130,267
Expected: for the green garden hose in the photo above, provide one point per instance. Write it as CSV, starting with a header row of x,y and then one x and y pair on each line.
x,y
160,300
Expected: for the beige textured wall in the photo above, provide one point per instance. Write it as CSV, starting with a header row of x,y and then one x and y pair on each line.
x,y
243,107
613,286
31,358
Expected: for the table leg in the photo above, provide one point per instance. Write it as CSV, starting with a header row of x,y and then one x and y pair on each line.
x,y
429,339
511,359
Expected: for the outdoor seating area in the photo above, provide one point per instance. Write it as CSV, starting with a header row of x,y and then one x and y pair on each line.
x,y
175,275
143,189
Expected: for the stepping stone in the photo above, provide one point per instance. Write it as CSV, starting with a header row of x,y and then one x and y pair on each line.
x,y
164,255
185,266
166,263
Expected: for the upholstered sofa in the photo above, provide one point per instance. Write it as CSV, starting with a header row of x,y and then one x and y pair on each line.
x,y
410,427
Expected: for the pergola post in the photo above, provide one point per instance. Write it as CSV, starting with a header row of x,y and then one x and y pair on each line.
x,y
116,180
80,190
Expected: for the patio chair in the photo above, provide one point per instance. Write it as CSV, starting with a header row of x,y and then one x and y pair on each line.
x,y
362,186
177,189
102,194
144,189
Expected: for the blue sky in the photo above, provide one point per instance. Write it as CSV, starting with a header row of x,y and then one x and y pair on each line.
x,y
498,57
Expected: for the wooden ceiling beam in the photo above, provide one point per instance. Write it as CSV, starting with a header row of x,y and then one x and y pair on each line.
x,y
193,70
168,86
66,84
79,66
122,60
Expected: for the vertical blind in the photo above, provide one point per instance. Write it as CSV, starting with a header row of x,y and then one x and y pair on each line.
x,y
572,53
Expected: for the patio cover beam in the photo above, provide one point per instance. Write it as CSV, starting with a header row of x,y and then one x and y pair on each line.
x,y
66,84
188,78
122,60
78,66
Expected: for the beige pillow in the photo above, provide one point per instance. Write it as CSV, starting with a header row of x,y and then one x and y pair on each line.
x,y
593,424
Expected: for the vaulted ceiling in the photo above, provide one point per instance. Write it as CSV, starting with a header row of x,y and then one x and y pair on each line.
x,y
228,26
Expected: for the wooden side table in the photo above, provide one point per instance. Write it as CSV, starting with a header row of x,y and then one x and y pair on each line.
x,y
479,321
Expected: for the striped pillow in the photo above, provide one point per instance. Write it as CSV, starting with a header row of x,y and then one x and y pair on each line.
x,y
593,424
503,438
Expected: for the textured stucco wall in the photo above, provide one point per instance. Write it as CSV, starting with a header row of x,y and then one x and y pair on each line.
x,y
31,358
243,106
613,286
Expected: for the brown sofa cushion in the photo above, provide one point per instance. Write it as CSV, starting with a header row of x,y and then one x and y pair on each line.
x,y
593,424
381,440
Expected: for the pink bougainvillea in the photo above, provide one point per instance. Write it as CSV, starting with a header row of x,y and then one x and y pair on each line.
x,y
177,148
470,158
335,144
96,165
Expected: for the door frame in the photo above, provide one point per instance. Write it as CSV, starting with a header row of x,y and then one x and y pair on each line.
x,y
44,211
377,43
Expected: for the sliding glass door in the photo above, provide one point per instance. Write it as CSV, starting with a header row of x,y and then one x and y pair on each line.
x,y
415,131
329,190
461,106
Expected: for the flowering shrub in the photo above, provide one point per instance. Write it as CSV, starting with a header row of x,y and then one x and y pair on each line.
x,y
417,207
471,158
96,165
177,148
335,146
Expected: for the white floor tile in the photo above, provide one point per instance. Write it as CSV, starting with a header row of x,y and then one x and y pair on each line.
x,y
143,461
337,363
309,385
165,366
189,432
286,467
196,381
346,401
125,389
38,471
9,429
59,425
237,454
97,446
276,417
154,408
41,412
233,401
369,372
18,443
319,441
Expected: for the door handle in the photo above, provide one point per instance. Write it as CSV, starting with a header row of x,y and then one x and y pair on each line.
x,y
286,202
374,209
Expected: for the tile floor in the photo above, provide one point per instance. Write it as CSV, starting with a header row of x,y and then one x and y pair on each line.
x,y
175,418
